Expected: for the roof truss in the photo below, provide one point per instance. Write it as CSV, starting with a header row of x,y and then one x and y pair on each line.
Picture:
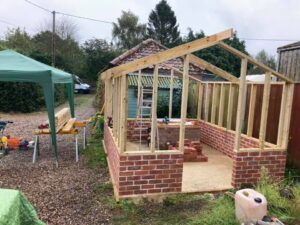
x,y
187,49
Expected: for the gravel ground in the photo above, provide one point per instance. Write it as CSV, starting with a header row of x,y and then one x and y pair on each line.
x,y
62,195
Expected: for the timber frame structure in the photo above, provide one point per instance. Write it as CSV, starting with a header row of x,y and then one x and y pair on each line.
x,y
221,111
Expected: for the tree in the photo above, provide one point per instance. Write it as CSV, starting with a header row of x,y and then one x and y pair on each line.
x,y
18,40
128,32
218,56
98,54
265,58
162,25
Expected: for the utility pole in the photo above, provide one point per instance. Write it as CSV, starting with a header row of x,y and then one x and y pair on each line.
x,y
53,39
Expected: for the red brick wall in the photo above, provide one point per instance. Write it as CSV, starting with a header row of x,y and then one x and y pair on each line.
x,y
148,174
247,166
222,140
143,174
112,155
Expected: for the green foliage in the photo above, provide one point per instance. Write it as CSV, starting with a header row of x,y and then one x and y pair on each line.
x,y
287,210
162,25
98,53
98,125
266,59
163,104
94,154
220,211
128,32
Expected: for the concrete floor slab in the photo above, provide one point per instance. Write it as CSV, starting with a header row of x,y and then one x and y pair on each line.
x,y
214,175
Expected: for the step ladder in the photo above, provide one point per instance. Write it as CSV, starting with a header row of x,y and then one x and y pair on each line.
x,y
144,111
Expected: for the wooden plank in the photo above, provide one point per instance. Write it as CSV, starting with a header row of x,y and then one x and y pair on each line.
x,y
171,93
221,106
254,62
119,111
214,104
109,98
287,117
184,100
139,87
123,113
212,68
241,105
154,109
281,116
200,97
169,54
69,125
251,110
115,107
206,103
264,111
230,107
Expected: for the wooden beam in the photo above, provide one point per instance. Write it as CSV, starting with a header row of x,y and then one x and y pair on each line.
x,y
281,115
184,100
214,104
119,110
154,109
264,110
171,93
287,117
200,96
241,105
115,107
109,99
139,87
170,54
206,103
124,108
251,110
254,62
230,107
215,70
221,106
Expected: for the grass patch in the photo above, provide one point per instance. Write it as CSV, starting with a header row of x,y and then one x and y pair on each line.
x,y
176,209
94,154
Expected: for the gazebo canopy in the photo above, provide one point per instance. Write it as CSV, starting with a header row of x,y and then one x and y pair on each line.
x,y
15,67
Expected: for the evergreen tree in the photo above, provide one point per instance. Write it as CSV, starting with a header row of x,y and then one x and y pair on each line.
x,y
162,25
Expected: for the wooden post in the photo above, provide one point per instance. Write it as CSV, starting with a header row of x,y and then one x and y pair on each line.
x,y
154,109
206,103
115,107
109,98
241,105
200,96
171,93
213,103
119,110
282,115
230,105
139,88
287,117
251,110
221,106
264,110
124,108
184,99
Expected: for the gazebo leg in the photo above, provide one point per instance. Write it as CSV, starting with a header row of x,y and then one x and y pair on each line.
x,y
76,147
84,138
35,148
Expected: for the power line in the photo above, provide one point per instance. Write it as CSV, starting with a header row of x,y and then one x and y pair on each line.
x,y
267,39
36,5
8,23
70,15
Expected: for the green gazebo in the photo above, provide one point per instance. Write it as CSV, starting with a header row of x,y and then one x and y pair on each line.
x,y
15,67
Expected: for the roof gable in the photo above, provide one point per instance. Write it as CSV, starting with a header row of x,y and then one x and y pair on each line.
x,y
150,47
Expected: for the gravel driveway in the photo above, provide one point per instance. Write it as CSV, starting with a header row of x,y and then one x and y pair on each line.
x,y
62,195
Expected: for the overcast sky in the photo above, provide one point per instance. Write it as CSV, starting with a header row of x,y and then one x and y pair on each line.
x,y
260,19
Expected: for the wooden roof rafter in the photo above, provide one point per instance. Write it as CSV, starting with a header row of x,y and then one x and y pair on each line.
x,y
168,54
254,62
